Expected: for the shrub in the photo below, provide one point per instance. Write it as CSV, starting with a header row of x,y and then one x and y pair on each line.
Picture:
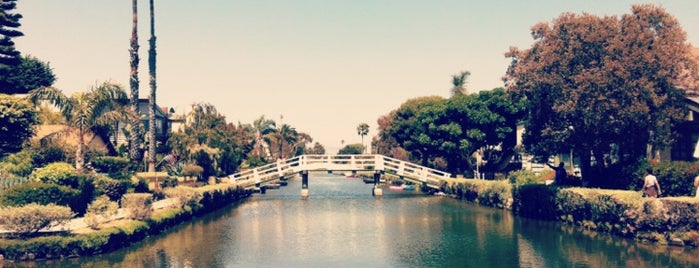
x,y
191,170
169,182
99,211
59,173
676,178
140,186
496,194
184,196
32,218
111,164
522,177
18,164
40,193
114,167
535,201
138,205
48,152
114,189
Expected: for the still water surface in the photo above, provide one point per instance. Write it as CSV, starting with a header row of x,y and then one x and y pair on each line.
x,y
342,225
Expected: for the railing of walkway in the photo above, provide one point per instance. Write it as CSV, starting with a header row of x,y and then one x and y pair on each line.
x,y
373,162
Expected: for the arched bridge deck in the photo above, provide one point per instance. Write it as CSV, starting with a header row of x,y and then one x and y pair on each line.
x,y
366,162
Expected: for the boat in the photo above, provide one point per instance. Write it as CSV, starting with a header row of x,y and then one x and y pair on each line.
x,y
395,188
272,186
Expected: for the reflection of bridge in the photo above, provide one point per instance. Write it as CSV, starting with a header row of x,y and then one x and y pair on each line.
x,y
379,164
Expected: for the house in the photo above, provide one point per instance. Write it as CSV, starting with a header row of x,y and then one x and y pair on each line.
x,y
164,119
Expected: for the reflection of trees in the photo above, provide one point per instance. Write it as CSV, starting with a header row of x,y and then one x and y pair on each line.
x,y
565,245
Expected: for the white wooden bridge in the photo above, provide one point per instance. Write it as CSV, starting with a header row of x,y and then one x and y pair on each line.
x,y
380,164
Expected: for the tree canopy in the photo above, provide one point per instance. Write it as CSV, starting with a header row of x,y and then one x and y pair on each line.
x,y
9,22
445,133
30,73
85,112
606,86
17,120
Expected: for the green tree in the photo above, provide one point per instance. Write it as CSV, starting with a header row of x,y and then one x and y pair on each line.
x,y
9,22
483,123
17,120
299,146
210,142
285,136
363,130
151,96
408,131
135,137
29,74
459,83
354,148
605,86
85,112
316,149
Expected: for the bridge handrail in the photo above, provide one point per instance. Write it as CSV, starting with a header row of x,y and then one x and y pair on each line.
x,y
375,162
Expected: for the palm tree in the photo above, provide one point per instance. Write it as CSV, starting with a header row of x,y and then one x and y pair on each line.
x,y
459,82
264,131
151,98
133,83
363,130
102,106
286,134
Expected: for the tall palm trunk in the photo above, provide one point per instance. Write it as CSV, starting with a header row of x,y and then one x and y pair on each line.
x,y
151,98
80,151
135,140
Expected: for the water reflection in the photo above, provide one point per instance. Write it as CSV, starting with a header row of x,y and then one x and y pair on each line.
x,y
342,225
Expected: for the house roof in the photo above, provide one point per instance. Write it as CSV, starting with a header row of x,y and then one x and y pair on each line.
x,y
144,111
69,137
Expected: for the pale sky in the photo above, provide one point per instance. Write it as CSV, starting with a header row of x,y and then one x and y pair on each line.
x,y
325,65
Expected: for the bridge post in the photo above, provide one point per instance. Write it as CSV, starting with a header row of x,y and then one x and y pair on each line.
x,y
376,191
304,184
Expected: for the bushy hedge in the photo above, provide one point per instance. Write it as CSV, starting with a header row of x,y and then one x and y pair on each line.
x,y
184,196
32,218
40,193
51,247
676,178
138,205
124,234
191,170
18,164
60,173
100,211
114,189
619,212
488,193
115,167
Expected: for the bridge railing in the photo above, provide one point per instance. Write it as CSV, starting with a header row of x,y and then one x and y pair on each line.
x,y
338,162
413,171
372,162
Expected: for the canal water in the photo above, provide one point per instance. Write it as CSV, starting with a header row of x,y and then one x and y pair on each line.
x,y
342,225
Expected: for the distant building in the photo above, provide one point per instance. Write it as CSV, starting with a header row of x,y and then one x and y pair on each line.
x,y
165,118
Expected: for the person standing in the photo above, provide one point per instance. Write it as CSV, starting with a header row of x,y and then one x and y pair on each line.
x,y
561,173
651,187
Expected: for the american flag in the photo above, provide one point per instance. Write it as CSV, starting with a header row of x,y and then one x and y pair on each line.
x,y
171,159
